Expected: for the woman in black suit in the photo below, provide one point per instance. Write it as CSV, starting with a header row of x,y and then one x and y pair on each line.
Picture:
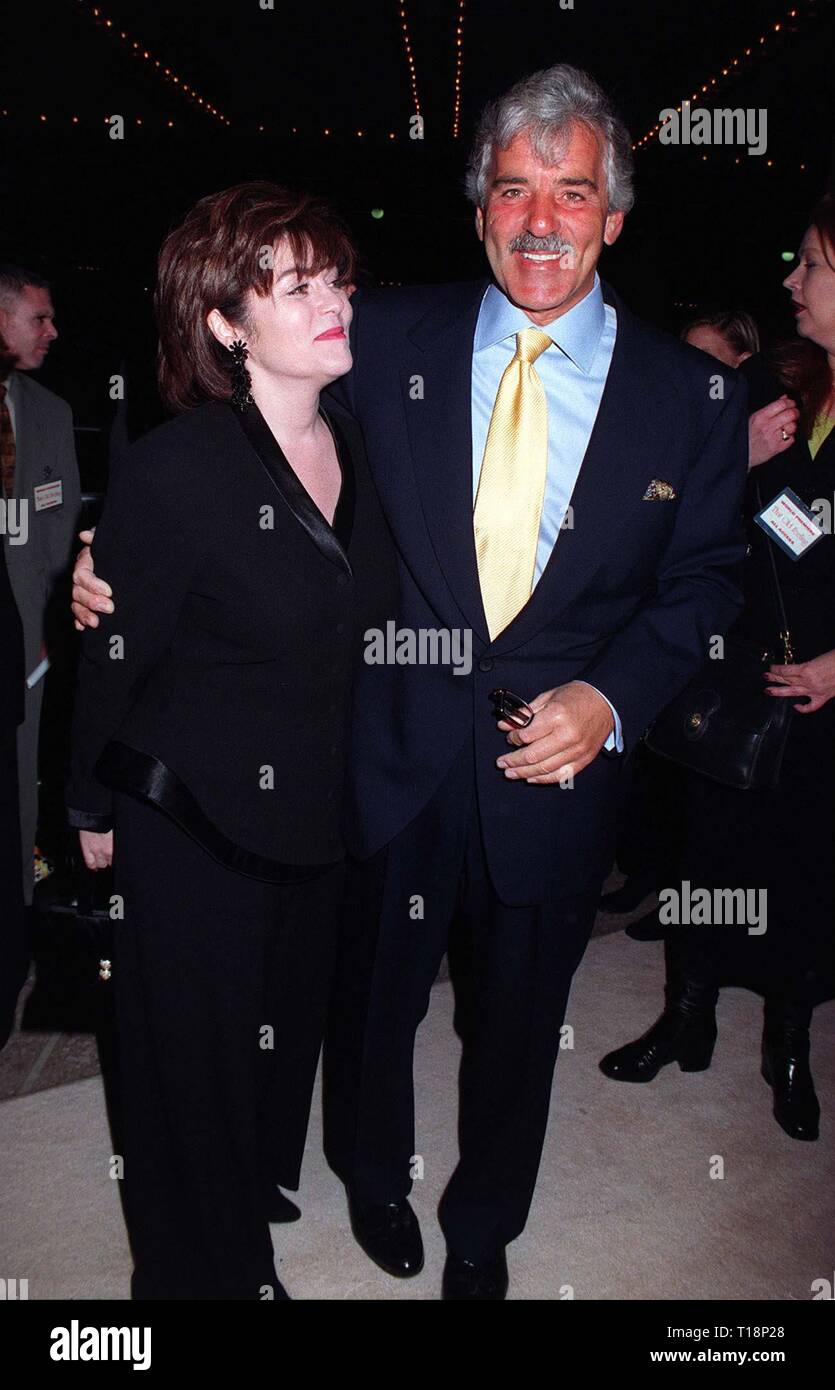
x,y
778,840
248,554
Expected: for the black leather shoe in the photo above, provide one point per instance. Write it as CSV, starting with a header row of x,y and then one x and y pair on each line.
x,y
785,1066
685,1033
389,1234
281,1209
629,895
647,928
465,1280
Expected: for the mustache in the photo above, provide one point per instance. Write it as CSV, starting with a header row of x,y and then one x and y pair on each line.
x,y
553,244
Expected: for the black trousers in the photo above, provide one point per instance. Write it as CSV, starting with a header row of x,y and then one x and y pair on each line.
x,y
779,844
15,944
221,991
517,966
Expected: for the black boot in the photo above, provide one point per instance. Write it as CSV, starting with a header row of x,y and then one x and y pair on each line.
x,y
785,1066
684,1033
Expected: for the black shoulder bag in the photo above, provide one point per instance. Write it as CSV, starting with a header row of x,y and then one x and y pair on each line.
x,y
723,724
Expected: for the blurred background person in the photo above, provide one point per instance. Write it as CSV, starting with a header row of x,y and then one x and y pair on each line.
x,y
40,475
779,839
14,938
652,819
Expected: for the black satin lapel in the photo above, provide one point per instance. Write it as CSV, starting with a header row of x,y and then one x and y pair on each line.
x,y
440,432
343,517
294,494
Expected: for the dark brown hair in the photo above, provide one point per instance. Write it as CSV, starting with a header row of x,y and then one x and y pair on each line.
x,y
212,261
803,366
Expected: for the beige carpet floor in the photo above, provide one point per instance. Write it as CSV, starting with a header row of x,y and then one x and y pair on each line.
x,y
629,1203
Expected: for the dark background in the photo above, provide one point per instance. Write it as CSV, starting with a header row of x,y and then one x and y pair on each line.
x,y
90,212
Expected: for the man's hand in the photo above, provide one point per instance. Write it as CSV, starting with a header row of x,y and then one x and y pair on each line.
x,y
570,727
89,594
96,848
771,430
813,679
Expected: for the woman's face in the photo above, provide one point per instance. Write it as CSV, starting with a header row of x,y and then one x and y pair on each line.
x,y
299,329
812,288
709,339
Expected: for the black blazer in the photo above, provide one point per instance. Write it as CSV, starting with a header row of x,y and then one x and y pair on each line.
x,y
628,600
807,584
11,647
220,687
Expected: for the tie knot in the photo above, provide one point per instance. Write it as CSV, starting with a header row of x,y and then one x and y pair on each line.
x,y
530,343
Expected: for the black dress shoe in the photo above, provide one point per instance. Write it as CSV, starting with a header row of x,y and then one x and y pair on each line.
x,y
484,1281
647,928
685,1033
785,1066
629,895
389,1234
280,1209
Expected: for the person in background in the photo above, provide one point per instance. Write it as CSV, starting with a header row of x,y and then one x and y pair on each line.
x,y
40,475
780,840
652,824
14,939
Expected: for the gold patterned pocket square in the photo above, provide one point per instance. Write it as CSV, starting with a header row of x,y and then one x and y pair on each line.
x,y
659,491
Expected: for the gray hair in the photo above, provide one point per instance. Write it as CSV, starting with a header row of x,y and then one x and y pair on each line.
x,y
546,105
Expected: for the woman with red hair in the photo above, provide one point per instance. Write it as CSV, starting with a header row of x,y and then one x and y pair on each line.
x,y
248,555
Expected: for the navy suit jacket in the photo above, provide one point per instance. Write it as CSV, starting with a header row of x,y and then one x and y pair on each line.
x,y
628,601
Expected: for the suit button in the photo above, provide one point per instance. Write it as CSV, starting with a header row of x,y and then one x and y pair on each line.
x,y
342,579
486,663
340,627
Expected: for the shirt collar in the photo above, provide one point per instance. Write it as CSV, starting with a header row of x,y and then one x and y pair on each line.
x,y
577,333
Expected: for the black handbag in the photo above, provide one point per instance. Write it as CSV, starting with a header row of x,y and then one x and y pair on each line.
x,y
723,724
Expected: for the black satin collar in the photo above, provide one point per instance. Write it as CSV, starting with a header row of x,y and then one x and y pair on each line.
x,y
343,517
126,769
332,541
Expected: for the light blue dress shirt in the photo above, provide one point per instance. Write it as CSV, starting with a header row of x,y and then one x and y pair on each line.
x,y
573,373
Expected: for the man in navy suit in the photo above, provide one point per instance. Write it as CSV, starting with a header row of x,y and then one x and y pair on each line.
x,y
454,815
595,606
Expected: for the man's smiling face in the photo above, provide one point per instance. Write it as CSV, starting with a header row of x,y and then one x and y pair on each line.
x,y
544,224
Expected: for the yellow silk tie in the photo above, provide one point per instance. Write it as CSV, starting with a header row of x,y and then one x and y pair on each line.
x,y
511,486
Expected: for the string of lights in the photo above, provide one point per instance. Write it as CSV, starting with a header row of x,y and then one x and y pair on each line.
x,y
150,123
459,61
732,68
404,25
141,53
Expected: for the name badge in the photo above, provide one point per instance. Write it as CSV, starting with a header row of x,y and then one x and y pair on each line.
x,y
49,495
789,522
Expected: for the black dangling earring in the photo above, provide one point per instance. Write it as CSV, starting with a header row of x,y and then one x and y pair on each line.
x,y
241,380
